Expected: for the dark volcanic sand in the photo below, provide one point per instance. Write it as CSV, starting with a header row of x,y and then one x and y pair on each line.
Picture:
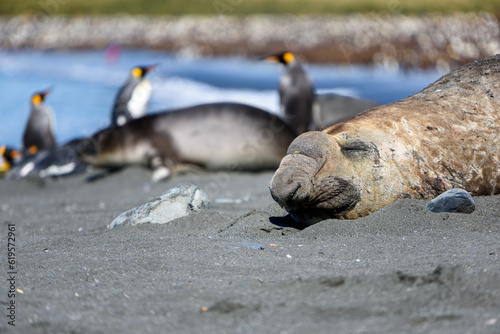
x,y
402,269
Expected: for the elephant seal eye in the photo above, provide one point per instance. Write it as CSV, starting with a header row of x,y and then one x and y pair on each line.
x,y
358,149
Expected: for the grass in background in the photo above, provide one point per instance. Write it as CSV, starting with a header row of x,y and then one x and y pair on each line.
x,y
241,7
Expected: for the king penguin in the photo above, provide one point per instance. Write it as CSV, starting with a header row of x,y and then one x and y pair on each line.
x,y
133,97
296,91
39,131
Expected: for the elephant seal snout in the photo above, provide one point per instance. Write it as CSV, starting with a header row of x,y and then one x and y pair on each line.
x,y
300,183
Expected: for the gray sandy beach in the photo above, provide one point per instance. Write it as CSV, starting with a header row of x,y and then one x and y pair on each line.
x,y
241,266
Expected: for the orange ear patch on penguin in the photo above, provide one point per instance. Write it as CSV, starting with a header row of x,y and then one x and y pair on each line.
x,y
37,99
288,57
137,72
33,149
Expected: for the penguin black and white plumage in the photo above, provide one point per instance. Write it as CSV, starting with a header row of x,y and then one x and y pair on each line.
x,y
59,161
296,90
39,131
133,97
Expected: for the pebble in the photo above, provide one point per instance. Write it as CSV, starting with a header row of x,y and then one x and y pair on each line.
x,y
454,200
175,203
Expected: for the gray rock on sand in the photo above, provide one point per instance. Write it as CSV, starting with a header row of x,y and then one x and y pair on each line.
x,y
175,203
454,200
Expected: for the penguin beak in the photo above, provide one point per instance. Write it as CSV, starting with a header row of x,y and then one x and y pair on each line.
x,y
273,59
45,92
150,68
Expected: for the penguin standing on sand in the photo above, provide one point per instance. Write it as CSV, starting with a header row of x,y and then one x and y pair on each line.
x,y
296,92
133,97
39,131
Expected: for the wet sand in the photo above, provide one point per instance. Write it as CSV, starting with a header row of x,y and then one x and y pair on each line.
x,y
400,270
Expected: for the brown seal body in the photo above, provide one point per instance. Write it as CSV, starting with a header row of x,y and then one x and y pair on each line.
x,y
446,136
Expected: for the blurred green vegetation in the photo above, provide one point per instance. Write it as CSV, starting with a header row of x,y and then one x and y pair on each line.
x,y
241,7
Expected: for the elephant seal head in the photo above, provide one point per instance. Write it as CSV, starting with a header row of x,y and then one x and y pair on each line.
x,y
315,180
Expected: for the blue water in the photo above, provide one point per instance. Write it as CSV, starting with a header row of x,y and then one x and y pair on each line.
x,y
84,85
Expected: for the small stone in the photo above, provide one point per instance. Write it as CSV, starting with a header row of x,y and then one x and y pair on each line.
x,y
454,200
491,322
175,203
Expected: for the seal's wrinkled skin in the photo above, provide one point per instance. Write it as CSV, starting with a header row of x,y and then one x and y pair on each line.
x,y
446,136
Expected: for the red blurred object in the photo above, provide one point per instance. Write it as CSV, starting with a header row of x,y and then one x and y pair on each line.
x,y
112,52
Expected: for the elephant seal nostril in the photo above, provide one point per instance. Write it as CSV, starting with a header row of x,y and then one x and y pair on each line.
x,y
292,181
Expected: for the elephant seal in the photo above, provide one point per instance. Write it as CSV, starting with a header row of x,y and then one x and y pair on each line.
x,y
446,136
229,136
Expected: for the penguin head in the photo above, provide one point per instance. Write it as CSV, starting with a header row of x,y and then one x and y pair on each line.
x,y
4,162
38,98
285,58
140,72
7,158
